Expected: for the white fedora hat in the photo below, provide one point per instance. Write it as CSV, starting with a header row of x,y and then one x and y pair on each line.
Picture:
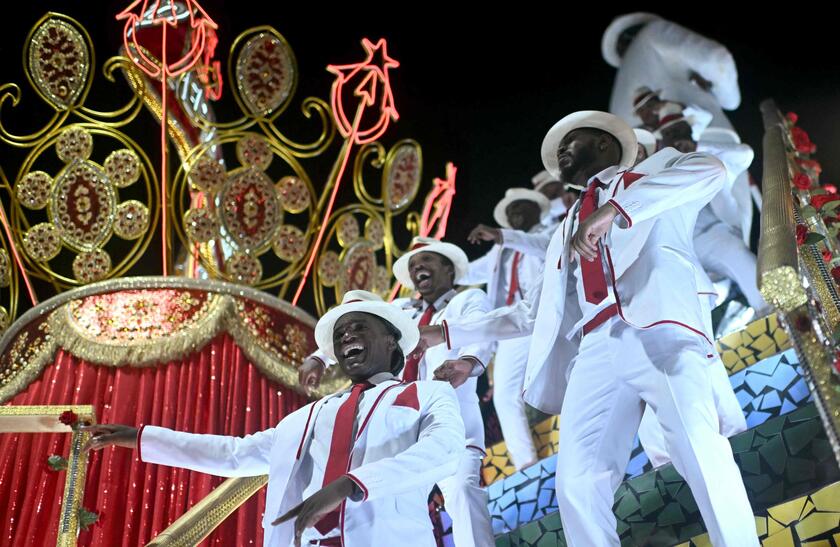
x,y
643,95
517,194
673,113
646,139
594,119
430,245
367,302
621,23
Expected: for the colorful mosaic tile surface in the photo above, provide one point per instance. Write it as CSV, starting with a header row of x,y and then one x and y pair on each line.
x,y
770,388
809,521
760,339
782,459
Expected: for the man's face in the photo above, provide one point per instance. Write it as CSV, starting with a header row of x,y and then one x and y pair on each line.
x,y
649,112
641,154
523,214
577,151
430,272
363,345
678,136
552,190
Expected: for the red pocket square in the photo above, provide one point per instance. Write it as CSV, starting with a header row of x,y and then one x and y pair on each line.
x,y
408,398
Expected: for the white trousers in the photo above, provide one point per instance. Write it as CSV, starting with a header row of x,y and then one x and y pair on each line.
x,y
619,369
466,503
508,378
722,251
731,420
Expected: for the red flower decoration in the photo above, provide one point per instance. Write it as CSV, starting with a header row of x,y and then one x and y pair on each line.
x,y
792,117
835,273
801,141
68,417
802,181
801,233
826,254
813,165
821,199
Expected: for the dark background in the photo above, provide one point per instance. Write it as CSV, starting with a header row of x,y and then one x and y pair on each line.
x,y
478,85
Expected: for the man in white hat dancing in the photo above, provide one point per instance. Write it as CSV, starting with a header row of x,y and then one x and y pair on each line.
x,y
353,469
508,275
432,268
617,325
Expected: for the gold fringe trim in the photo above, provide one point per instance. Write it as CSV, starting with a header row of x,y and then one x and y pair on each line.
x,y
61,331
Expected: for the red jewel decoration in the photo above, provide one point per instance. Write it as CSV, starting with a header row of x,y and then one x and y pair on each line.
x,y
792,117
837,363
802,181
826,254
801,233
68,417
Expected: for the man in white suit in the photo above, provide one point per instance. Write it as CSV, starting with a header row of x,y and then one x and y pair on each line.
x,y
508,275
432,268
617,325
352,469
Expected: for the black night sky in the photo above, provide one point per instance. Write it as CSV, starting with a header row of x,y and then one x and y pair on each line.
x,y
479,86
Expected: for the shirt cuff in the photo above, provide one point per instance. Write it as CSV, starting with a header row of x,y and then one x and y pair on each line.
x,y
627,221
445,326
478,367
140,442
360,492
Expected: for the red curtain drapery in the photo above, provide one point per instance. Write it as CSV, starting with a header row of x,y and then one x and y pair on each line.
x,y
214,390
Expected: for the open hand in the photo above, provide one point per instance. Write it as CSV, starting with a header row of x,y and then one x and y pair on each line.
x,y
485,233
109,435
310,373
455,371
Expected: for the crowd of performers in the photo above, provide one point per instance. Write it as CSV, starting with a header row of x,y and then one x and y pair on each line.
x,y
598,295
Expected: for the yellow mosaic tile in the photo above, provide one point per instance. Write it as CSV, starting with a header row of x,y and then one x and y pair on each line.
x,y
761,526
828,498
783,538
816,524
819,543
789,511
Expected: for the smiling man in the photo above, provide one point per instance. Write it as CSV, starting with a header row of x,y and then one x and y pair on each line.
x,y
432,268
509,274
353,469
617,324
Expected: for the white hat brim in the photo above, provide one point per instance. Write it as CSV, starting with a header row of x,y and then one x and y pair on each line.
x,y
452,252
646,139
610,38
390,313
520,194
604,121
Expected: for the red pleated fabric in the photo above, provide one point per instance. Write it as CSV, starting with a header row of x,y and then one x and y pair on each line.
x,y
214,390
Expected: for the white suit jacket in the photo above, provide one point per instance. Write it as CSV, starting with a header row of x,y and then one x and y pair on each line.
x,y
411,437
733,204
661,56
467,305
650,258
491,270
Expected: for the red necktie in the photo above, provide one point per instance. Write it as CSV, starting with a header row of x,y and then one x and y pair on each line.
x,y
594,281
340,448
410,371
514,279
